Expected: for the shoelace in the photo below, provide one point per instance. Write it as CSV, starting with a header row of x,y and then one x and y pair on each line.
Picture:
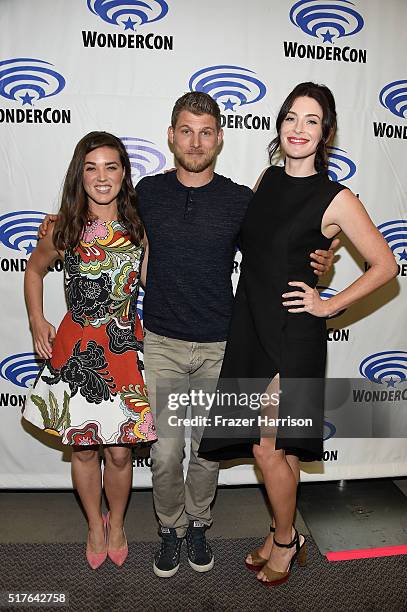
x,y
170,539
198,537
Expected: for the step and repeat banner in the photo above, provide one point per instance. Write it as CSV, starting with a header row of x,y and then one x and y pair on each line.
x,y
67,68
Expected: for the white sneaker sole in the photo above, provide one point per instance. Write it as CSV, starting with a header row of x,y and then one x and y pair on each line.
x,y
202,568
165,573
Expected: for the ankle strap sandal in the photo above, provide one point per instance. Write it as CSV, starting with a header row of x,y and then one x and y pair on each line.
x,y
274,577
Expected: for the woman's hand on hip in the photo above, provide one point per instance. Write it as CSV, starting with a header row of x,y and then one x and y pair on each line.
x,y
307,299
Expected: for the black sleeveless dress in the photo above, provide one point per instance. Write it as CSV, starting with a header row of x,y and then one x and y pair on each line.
x,y
281,228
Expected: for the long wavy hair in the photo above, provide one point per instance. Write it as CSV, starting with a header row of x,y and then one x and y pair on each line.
x,y
325,99
74,212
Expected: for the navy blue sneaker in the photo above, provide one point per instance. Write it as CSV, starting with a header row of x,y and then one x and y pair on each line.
x,y
200,555
166,560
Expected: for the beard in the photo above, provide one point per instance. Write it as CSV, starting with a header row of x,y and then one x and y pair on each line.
x,y
195,163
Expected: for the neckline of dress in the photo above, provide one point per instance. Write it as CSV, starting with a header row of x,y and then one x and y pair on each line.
x,y
303,179
100,222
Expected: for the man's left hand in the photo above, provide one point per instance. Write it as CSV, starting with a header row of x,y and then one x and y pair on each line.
x,y
322,261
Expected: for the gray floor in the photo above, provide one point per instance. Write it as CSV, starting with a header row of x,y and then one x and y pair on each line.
x,y
44,516
355,515
239,512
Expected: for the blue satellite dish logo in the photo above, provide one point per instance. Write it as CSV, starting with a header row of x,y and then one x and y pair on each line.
x,y
393,96
21,369
340,167
18,230
329,430
387,367
27,79
395,233
128,14
325,293
140,299
144,158
228,85
329,20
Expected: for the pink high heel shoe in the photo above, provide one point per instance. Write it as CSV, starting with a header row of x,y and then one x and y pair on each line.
x,y
117,555
95,560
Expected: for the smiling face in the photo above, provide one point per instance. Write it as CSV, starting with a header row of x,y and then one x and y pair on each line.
x,y
301,129
103,175
195,140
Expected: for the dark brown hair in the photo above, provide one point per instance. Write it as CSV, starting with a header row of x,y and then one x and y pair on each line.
x,y
325,99
198,103
74,211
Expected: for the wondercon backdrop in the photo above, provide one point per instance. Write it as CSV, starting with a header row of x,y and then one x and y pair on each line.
x,y
67,68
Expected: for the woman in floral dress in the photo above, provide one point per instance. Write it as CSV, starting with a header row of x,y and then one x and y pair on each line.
x,y
90,391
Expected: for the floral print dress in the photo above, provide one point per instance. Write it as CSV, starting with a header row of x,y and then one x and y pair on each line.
x,y
92,390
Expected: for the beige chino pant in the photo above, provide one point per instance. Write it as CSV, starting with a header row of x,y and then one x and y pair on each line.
x,y
178,369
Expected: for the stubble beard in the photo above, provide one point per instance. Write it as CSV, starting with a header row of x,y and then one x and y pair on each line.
x,y
195,165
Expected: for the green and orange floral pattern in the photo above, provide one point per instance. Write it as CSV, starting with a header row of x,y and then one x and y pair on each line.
x,y
92,390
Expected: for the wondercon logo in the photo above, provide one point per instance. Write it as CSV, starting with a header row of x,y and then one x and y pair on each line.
x,y
29,79
388,367
326,20
394,97
329,430
18,230
340,167
137,12
144,158
139,307
395,232
325,293
21,369
228,85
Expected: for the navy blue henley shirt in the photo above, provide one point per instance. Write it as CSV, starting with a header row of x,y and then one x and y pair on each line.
x,y
192,233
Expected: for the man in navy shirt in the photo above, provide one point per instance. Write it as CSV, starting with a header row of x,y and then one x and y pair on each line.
x,y
192,219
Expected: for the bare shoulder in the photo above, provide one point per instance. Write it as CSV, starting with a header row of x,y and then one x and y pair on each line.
x,y
344,203
346,197
345,208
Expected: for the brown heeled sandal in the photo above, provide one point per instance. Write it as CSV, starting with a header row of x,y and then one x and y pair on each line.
x,y
275,578
257,560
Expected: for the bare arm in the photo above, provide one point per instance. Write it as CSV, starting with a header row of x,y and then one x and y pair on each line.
x,y
42,331
347,213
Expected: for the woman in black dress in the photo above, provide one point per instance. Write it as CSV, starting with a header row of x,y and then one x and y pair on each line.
x,y
277,339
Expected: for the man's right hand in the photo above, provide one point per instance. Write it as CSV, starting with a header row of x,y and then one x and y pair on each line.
x,y
43,229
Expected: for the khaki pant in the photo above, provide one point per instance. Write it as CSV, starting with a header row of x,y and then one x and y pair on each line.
x,y
180,367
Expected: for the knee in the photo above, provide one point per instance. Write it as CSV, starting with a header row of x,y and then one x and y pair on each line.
x,y
85,456
166,455
118,458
